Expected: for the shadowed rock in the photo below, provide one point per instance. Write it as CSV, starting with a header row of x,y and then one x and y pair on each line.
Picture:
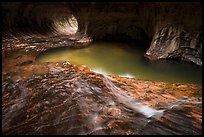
x,y
61,98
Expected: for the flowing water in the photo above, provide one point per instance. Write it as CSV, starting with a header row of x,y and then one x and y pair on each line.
x,y
130,102
125,60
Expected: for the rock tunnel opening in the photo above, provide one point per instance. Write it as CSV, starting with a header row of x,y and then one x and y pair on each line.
x,y
43,19
61,97
66,26
74,25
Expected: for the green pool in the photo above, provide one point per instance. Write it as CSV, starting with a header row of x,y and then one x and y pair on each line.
x,y
125,60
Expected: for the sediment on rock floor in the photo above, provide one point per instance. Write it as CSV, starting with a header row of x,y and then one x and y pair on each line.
x,y
60,98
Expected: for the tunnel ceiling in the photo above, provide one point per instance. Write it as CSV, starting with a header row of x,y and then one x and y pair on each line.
x,y
167,27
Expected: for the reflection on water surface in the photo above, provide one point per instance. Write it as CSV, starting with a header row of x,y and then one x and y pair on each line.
x,y
121,59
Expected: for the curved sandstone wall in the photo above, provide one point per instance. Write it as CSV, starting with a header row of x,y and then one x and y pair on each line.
x,y
61,98
172,30
171,27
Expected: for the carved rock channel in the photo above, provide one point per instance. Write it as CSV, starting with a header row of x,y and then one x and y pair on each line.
x,y
59,98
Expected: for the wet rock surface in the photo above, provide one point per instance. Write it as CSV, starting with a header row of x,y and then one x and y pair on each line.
x,y
171,42
163,27
61,98
187,54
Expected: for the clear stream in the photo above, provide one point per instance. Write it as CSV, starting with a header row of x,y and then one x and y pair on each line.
x,y
125,60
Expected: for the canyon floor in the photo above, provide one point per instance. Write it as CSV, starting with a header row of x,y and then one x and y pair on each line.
x,y
63,98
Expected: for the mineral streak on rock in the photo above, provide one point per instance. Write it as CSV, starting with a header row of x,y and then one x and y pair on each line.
x,y
60,98
70,100
171,42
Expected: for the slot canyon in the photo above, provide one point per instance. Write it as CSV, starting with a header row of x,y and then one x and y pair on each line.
x,y
106,68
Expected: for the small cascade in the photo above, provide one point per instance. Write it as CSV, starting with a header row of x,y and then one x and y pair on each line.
x,y
130,102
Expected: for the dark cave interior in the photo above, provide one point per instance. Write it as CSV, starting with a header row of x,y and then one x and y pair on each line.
x,y
61,98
